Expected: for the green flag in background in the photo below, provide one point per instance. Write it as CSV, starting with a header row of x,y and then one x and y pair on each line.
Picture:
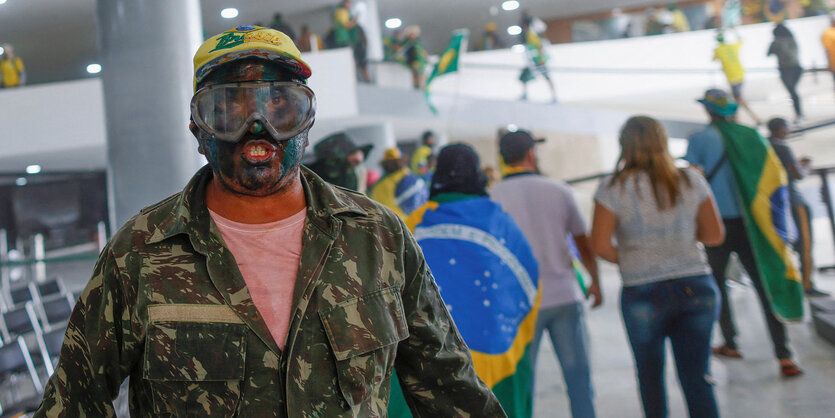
x,y
448,63
763,191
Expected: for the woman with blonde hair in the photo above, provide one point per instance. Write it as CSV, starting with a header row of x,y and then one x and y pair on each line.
x,y
659,214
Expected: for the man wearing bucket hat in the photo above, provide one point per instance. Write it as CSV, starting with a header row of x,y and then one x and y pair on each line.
x,y
339,161
261,290
706,150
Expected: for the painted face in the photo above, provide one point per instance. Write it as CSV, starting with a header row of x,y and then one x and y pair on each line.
x,y
257,165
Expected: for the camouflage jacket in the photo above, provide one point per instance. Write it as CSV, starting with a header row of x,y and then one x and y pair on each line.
x,y
167,306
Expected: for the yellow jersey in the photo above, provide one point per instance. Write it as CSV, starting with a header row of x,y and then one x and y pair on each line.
x,y
10,70
728,55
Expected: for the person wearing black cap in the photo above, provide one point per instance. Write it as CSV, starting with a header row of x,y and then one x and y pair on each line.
x,y
339,161
547,213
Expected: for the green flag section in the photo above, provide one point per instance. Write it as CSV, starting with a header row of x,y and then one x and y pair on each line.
x,y
512,389
448,63
488,278
762,186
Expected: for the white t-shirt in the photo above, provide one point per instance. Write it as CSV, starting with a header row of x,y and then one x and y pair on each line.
x,y
547,214
655,245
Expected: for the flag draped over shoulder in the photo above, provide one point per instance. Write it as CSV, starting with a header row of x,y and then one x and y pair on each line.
x,y
488,278
763,191
448,62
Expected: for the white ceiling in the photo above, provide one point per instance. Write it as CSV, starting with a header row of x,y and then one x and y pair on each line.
x,y
57,39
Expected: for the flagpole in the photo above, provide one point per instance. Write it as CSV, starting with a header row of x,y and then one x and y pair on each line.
x,y
457,96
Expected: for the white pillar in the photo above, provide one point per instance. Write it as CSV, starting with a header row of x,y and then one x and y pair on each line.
x,y
146,50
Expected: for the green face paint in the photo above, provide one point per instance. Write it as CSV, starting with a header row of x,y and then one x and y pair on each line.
x,y
256,165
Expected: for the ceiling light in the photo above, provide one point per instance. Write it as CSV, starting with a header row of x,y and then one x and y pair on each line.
x,y
2,50
2,1
21,181
510,5
393,23
512,128
229,13
518,48
33,169
94,68
514,30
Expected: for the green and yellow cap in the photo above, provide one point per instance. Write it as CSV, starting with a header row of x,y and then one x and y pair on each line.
x,y
248,42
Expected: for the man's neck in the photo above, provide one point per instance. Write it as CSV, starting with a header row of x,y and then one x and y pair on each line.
x,y
255,209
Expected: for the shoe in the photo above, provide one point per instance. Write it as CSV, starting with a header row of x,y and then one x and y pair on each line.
x,y
814,293
790,369
725,351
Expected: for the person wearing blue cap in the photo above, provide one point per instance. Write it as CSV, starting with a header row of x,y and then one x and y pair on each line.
x,y
707,151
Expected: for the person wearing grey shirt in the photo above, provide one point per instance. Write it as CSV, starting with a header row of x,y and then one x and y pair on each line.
x,y
659,214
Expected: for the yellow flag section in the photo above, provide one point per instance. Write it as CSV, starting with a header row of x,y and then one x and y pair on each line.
x,y
762,186
494,368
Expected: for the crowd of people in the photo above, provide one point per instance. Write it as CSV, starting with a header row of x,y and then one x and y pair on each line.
x,y
671,231
323,289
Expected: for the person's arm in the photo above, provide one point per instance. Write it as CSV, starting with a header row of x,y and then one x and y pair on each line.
x,y
786,156
709,227
602,229
433,364
590,262
99,349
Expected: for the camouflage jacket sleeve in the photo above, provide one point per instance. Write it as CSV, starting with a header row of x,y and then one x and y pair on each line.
x,y
98,350
434,365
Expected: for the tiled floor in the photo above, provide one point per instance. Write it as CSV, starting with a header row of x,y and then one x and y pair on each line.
x,y
750,387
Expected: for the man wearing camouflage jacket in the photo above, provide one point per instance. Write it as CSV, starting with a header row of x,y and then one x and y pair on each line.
x,y
169,306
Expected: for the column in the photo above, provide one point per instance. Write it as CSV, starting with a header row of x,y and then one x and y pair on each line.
x,y
146,49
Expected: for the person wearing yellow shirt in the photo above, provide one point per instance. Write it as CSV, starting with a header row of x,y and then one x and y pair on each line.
x,y
728,55
828,41
537,58
399,189
680,22
421,155
12,72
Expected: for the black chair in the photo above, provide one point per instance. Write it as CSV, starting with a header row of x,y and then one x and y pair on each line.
x,y
24,322
21,295
53,340
14,360
50,287
19,321
56,310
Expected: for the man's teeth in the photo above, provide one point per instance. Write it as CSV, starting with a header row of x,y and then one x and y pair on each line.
x,y
258,151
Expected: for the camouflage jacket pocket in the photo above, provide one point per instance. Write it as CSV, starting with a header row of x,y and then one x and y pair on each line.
x,y
194,359
363,333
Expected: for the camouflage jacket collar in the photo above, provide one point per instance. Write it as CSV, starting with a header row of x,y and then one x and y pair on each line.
x,y
189,214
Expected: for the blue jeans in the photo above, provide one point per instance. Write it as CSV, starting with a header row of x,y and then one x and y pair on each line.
x,y
566,326
684,311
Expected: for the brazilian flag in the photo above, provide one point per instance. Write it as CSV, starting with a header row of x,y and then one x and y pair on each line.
x,y
488,278
448,63
763,191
